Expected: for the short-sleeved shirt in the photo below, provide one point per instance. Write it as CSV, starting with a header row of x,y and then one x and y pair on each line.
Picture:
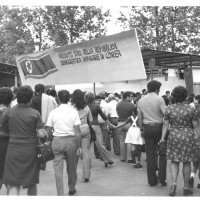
x,y
124,110
63,119
23,122
112,105
37,103
152,108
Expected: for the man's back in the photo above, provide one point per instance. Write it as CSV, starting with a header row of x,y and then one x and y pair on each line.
x,y
152,107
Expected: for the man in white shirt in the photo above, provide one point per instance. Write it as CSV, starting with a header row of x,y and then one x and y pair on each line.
x,y
113,118
64,121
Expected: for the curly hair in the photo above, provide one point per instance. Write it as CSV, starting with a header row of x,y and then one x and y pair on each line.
x,y
6,96
24,94
179,94
154,85
78,99
89,97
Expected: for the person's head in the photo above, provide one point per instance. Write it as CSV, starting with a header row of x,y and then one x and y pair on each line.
x,y
154,86
48,90
52,92
166,99
24,94
190,99
102,95
179,94
98,99
127,96
39,88
6,96
63,96
78,99
89,97
198,98
14,91
144,91
111,97
167,93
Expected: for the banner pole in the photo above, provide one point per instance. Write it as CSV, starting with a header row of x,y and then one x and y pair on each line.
x,y
94,88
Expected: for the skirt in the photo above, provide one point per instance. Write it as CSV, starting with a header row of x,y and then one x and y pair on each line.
x,y
133,136
3,150
21,166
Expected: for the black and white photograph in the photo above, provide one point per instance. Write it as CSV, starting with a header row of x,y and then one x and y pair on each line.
x,y
99,99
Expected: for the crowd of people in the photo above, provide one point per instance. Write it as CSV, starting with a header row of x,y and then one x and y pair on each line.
x,y
76,122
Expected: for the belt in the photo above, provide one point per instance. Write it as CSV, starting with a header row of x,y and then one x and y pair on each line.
x,y
153,124
120,121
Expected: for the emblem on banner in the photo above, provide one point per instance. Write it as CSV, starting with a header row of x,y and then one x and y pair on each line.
x,y
28,66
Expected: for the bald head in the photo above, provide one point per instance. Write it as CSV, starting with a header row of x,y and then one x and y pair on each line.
x,y
111,97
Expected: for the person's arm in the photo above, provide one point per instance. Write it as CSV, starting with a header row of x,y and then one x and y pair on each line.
x,y
126,122
49,131
164,129
41,133
140,119
77,132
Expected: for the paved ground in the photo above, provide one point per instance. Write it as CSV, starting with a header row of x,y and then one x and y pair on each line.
x,y
121,179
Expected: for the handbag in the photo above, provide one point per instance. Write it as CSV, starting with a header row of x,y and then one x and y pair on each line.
x,y
161,149
44,151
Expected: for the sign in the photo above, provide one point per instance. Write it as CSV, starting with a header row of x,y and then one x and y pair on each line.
x,y
105,59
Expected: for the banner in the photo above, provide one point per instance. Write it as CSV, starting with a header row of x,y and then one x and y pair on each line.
x,y
105,59
188,79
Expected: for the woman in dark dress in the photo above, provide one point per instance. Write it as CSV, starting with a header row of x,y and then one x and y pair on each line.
x,y
24,126
5,101
181,143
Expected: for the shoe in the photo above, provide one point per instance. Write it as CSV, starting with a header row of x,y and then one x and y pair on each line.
x,y
98,157
109,163
153,184
123,161
187,191
191,182
163,183
172,191
198,186
134,165
117,154
139,165
130,161
24,186
86,180
72,192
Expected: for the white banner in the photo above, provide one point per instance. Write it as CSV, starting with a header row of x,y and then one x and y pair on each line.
x,y
105,59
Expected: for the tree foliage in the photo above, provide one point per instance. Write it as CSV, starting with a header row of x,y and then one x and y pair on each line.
x,y
30,29
165,28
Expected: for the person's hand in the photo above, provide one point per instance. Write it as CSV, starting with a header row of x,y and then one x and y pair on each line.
x,y
79,152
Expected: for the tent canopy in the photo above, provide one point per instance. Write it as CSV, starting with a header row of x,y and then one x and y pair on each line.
x,y
169,59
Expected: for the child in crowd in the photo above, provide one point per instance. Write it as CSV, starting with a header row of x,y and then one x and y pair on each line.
x,y
134,139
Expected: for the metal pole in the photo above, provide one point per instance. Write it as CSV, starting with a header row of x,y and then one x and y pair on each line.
x,y
94,88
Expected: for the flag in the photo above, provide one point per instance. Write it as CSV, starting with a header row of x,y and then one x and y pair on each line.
x,y
37,67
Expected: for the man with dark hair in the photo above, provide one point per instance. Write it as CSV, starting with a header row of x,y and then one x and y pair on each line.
x,y
151,109
124,110
64,122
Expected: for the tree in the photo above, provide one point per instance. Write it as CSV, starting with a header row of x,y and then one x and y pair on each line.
x,y
71,24
15,38
165,28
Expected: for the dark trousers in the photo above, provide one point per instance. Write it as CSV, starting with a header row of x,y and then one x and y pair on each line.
x,y
116,142
152,135
106,136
